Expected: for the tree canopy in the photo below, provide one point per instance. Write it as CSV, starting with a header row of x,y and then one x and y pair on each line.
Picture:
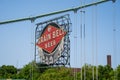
x,y
43,72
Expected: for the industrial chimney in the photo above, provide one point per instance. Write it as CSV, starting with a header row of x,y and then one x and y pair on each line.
x,y
109,60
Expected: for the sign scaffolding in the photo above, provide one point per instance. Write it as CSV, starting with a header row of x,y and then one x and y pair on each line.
x,y
52,41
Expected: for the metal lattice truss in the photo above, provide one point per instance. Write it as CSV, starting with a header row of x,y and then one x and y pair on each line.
x,y
61,56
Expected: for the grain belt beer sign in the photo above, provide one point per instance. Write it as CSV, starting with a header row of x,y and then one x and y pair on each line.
x,y
50,43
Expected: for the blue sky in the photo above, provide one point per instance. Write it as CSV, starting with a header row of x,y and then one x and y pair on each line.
x,y
17,39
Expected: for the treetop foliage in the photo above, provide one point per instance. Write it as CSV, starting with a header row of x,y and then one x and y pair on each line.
x,y
33,71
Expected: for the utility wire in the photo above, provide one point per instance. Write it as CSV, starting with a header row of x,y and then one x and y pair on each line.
x,y
75,44
114,40
32,50
81,59
84,41
93,27
96,32
84,48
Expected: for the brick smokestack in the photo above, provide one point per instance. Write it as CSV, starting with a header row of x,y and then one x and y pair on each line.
x,y
109,60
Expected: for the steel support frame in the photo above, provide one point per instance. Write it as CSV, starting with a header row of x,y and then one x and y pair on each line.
x,y
65,23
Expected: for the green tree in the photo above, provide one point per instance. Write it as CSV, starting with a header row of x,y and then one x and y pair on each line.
x,y
28,72
61,73
87,70
31,71
43,72
105,72
118,72
8,71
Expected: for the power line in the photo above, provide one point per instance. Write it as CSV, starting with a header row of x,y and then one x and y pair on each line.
x,y
96,40
75,43
114,40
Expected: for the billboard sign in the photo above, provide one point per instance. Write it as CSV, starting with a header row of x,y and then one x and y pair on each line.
x,y
50,43
50,37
